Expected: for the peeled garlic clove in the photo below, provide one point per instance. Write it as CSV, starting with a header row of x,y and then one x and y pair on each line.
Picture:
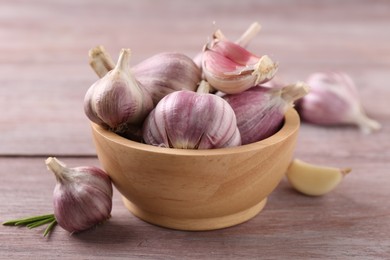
x,y
334,100
118,99
191,120
231,69
167,72
82,197
314,180
260,110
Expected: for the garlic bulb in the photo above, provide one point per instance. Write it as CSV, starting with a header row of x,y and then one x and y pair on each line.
x,y
82,197
230,68
166,72
260,110
334,100
118,99
191,120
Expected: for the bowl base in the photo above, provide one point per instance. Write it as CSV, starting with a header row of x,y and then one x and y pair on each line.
x,y
196,224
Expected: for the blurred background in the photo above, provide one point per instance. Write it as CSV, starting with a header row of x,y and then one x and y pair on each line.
x,y
44,71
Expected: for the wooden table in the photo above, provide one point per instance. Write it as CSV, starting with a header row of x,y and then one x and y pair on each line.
x,y
44,75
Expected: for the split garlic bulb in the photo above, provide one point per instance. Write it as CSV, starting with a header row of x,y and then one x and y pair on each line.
x,y
118,99
192,120
230,68
260,110
334,100
82,197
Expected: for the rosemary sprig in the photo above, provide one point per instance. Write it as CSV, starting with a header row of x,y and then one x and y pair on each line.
x,y
28,220
50,227
35,221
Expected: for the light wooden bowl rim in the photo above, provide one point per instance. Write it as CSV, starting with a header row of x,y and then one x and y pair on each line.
x,y
291,123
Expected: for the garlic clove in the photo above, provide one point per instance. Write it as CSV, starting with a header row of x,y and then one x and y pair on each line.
x,y
334,100
82,197
167,72
230,68
260,110
314,180
118,99
192,120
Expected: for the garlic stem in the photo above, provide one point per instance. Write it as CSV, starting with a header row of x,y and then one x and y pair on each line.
x,y
57,167
249,34
123,60
203,88
366,124
100,61
293,92
219,35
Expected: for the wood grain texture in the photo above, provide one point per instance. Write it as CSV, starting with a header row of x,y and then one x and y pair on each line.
x,y
197,189
44,75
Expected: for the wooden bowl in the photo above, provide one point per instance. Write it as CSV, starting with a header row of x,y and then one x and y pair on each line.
x,y
196,189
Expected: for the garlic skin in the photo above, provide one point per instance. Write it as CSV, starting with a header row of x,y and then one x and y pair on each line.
x,y
82,197
260,110
334,100
232,69
190,120
118,99
167,72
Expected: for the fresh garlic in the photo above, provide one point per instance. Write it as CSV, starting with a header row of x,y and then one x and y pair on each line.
x,y
192,120
230,68
314,180
334,100
260,110
82,197
167,72
118,100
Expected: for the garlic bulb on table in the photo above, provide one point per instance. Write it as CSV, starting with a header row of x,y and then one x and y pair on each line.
x,y
260,110
167,72
334,100
118,100
192,120
82,197
230,68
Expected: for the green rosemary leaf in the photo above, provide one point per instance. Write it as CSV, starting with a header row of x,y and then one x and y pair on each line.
x,y
50,227
25,221
39,223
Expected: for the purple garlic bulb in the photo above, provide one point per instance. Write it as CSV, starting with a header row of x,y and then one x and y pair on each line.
x,y
334,100
118,100
167,72
82,197
192,120
260,110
